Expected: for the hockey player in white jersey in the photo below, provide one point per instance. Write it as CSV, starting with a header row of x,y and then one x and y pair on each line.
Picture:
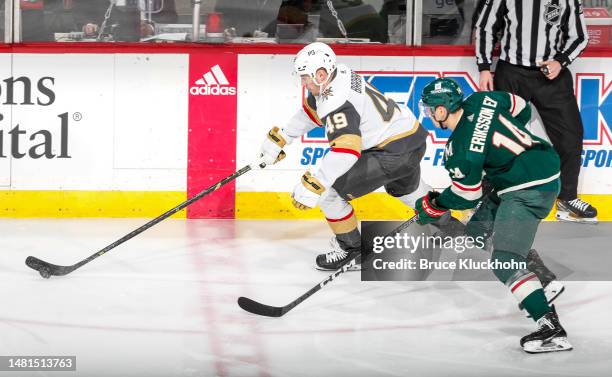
x,y
374,142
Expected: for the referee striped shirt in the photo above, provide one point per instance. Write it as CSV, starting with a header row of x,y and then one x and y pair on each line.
x,y
532,31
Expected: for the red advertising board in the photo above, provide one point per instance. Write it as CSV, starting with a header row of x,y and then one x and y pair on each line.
x,y
213,81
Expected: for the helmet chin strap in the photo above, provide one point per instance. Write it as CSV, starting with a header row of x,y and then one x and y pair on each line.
x,y
323,84
320,85
442,126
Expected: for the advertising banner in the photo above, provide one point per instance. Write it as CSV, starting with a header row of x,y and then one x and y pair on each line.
x,y
134,134
213,89
92,134
270,95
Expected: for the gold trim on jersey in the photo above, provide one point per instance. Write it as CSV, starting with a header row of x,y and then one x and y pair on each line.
x,y
347,141
312,113
399,136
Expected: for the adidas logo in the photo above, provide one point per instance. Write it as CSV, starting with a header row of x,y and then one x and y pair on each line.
x,y
213,83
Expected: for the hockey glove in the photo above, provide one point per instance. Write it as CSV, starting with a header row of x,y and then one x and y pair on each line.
x,y
426,209
307,193
271,150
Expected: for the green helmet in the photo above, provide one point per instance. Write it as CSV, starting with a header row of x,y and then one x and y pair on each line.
x,y
442,92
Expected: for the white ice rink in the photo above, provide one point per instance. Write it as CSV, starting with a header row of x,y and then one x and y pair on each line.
x,y
164,304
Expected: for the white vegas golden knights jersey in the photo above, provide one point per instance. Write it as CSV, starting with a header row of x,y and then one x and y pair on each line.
x,y
356,117
350,106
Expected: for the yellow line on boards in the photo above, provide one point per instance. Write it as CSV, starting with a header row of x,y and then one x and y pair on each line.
x,y
66,204
249,205
374,206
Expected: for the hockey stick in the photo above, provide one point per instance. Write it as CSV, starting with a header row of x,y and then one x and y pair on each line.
x,y
278,311
47,269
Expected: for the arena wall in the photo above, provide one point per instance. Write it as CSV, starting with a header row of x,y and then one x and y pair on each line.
x,y
131,131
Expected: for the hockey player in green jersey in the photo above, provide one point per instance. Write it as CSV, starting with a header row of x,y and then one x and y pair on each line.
x,y
489,140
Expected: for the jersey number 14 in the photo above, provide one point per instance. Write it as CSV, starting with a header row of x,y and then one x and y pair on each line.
x,y
523,138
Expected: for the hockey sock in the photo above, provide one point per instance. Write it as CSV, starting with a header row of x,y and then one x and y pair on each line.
x,y
524,284
529,293
346,231
350,240
344,224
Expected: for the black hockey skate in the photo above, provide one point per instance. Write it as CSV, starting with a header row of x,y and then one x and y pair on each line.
x,y
337,257
552,287
576,211
550,336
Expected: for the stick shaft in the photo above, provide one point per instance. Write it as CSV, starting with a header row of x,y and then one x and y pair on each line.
x,y
341,270
350,263
165,215
52,269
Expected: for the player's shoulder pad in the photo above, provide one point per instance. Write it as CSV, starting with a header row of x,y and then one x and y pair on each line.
x,y
475,98
502,96
337,94
488,99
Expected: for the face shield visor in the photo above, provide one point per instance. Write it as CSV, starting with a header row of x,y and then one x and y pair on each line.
x,y
426,111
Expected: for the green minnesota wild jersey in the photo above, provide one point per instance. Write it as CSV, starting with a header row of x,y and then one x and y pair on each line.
x,y
491,139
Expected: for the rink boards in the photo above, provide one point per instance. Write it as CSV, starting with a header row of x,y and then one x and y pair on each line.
x,y
131,132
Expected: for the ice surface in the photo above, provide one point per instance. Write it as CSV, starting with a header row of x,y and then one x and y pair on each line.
x,y
164,304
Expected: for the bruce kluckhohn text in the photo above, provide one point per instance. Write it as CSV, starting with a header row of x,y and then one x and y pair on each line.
x,y
462,264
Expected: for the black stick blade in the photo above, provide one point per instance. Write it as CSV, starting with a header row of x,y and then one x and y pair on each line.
x,y
46,269
35,263
259,309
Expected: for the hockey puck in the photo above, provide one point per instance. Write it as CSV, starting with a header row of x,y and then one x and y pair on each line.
x,y
45,273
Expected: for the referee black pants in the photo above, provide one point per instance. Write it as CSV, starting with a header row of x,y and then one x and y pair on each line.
x,y
557,106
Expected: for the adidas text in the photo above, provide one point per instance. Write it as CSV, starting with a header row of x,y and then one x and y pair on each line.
x,y
212,90
213,83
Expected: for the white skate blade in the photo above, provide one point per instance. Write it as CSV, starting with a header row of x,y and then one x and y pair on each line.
x,y
554,345
570,218
552,291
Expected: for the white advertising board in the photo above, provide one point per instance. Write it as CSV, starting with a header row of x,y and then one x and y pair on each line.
x,y
94,122
5,124
269,95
